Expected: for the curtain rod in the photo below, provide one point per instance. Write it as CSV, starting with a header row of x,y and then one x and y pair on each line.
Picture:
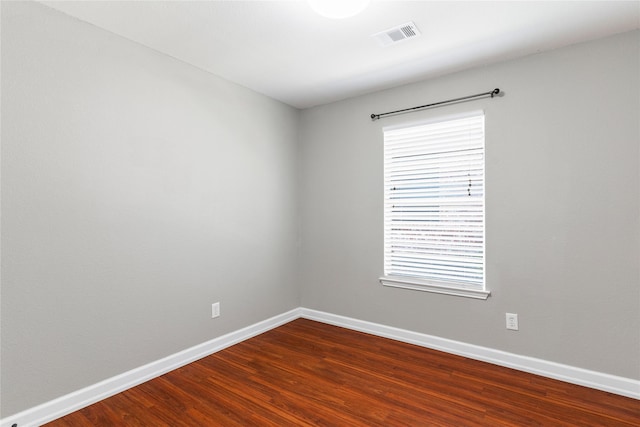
x,y
492,93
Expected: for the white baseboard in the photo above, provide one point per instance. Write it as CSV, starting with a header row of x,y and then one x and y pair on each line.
x,y
71,402
597,380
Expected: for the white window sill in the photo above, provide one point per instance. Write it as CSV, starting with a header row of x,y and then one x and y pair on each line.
x,y
438,288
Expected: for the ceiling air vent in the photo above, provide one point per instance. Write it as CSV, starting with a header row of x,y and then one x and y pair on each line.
x,y
397,34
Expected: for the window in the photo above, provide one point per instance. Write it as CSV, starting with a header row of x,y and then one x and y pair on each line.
x,y
434,206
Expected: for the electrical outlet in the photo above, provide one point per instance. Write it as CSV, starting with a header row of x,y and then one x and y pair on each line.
x,y
215,310
512,321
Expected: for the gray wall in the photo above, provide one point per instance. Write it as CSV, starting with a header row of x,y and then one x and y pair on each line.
x,y
562,208
136,191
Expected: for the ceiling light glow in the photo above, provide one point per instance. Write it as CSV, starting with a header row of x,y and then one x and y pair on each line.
x,y
338,9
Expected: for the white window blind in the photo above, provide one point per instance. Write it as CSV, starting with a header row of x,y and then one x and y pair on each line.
x,y
434,203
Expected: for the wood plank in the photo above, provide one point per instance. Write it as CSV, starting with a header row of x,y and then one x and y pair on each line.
x,y
307,373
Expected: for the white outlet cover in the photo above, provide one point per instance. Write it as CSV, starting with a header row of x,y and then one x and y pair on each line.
x,y
215,310
512,321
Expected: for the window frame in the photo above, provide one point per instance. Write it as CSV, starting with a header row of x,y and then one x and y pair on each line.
x,y
429,284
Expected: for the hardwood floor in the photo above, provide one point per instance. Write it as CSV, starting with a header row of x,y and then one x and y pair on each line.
x,y
307,373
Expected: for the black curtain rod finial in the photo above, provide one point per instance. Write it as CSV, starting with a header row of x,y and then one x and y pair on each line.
x,y
495,92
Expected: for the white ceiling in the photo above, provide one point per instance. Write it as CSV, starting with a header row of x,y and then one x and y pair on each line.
x,y
284,50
